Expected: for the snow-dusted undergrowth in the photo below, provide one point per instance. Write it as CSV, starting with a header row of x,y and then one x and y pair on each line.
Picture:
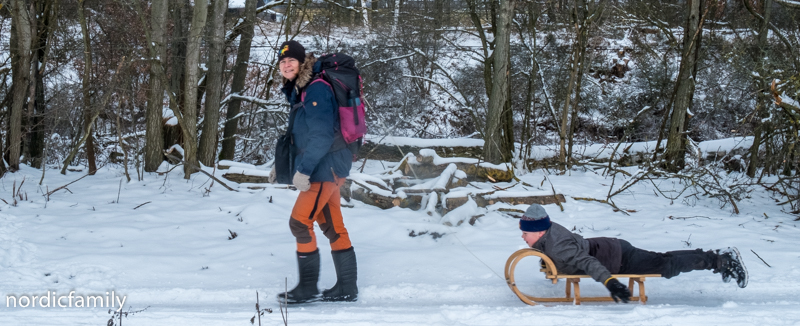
x,y
165,245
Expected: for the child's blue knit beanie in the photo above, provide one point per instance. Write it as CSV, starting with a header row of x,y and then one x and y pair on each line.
x,y
535,219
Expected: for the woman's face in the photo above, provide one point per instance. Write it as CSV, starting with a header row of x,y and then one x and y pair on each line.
x,y
289,68
531,237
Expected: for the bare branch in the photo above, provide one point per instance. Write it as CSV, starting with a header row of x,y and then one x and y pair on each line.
x,y
197,169
789,3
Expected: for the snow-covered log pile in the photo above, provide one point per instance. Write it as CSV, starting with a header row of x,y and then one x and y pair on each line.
x,y
425,181
374,149
440,185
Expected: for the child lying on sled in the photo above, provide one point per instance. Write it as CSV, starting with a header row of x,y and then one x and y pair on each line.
x,y
601,257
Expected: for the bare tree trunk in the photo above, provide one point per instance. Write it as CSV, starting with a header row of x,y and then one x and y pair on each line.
x,y
395,16
763,97
493,134
154,139
676,139
21,75
239,74
530,104
364,14
216,65
188,118
288,15
486,45
177,62
91,158
573,76
582,43
582,19
374,14
47,13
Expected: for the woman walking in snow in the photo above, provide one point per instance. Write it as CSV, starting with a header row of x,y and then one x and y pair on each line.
x,y
318,174
601,257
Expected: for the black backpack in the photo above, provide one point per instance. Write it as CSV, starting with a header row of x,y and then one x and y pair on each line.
x,y
339,72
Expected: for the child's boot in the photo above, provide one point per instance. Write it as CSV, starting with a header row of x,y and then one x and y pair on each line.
x,y
731,266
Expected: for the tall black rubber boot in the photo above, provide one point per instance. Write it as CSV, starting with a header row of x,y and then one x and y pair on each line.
x,y
682,261
306,289
346,277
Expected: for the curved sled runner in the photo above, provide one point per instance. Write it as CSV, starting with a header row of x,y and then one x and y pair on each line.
x,y
551,273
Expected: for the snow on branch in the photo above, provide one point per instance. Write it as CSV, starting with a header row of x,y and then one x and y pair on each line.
x,y
237,29
784,102
350,8
254,99
789,3
389,59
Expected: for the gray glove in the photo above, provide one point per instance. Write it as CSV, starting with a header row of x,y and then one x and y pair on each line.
x,y
272,177
301,181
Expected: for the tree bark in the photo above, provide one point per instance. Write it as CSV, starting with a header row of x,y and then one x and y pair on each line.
x,y
178,54
154,139
21,75
582,35
216,66
763,96
91,157
395,16
47,13
494,132
364,14
573,76
582,19
237,85
188,118
676,139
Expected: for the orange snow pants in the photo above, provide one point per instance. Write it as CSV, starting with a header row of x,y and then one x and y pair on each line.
x,y
322,204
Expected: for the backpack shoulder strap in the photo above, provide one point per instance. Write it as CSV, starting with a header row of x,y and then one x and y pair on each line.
x,y
316,79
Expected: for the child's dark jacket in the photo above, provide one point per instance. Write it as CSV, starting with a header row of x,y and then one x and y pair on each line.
x,y
572,254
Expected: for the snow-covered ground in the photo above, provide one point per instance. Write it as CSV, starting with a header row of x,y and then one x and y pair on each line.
x,y
163,244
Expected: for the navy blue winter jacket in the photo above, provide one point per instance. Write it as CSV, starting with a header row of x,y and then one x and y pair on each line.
x,y
315,124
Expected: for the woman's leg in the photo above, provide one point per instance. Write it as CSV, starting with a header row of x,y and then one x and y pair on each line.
x,y
331,222
309,207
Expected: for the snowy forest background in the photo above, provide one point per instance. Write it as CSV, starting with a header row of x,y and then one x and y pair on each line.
x,y
96,82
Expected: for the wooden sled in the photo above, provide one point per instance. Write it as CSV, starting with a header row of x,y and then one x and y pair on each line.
x,y
573,281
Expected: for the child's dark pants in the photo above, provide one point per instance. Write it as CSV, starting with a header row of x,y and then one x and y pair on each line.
x,y
668,264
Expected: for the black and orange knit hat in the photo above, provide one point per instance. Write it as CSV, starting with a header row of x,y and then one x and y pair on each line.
x,y
292,49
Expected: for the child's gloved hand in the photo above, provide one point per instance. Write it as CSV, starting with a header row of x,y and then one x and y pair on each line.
x,y
272,176
618,291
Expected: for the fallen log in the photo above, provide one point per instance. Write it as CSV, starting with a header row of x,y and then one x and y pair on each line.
x,y
374,199
244,178
394,153
489,198
428,164
508,198
371,195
